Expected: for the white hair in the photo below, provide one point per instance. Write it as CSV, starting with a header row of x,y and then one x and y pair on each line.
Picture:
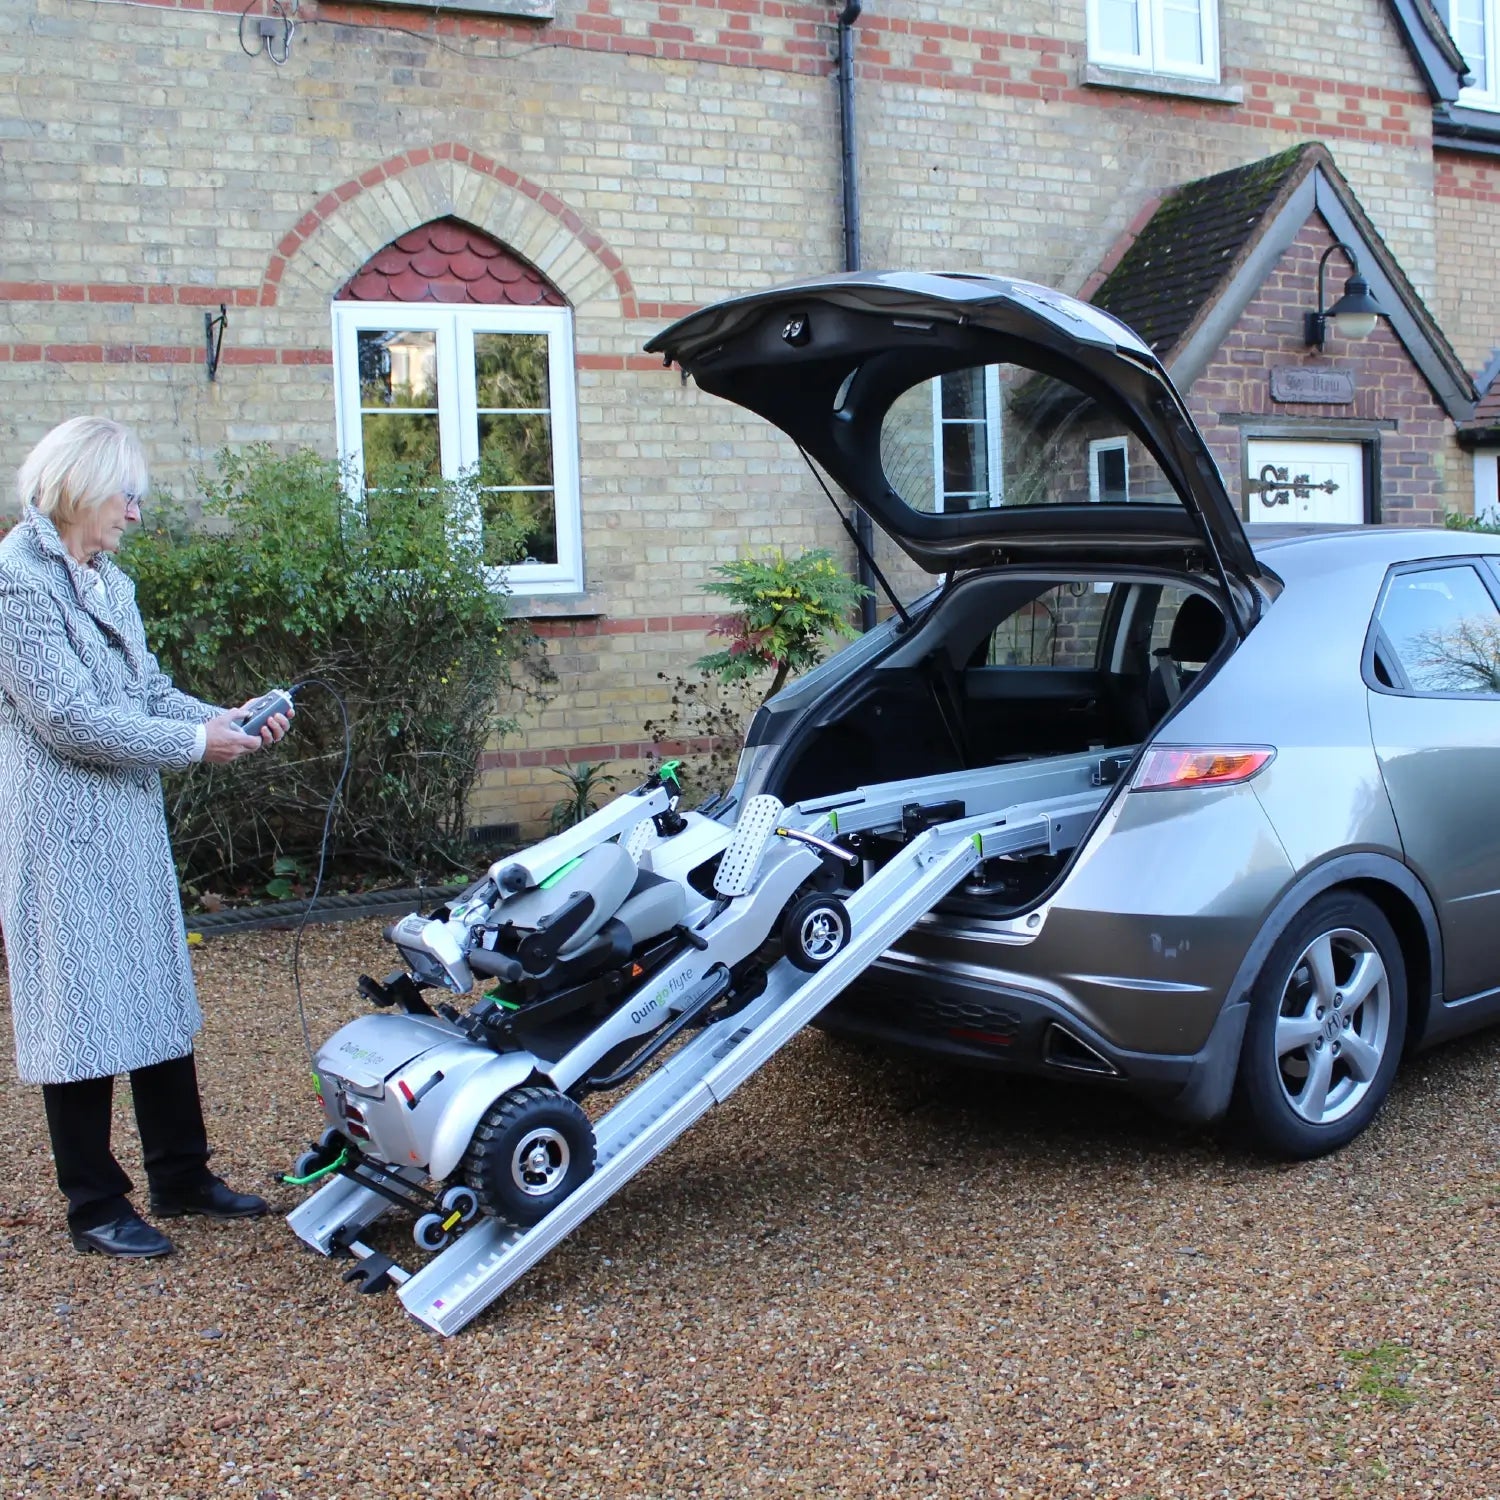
x,y
78,466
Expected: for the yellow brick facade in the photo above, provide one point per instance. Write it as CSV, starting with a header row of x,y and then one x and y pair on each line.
x,y
647,157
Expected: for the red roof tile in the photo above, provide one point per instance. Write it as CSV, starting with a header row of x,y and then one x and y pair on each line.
x,y
448,261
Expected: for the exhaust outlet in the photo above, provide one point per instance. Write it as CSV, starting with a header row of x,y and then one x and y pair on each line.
x,y
1061,1049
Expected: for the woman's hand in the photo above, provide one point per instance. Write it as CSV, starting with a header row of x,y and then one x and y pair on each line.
x,y
225,741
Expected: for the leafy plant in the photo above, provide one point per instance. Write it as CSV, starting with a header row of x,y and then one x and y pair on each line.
x,y
788,608
705,724
1489,522
586,781
387,608
287,872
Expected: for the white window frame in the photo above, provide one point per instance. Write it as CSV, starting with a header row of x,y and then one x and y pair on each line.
x,y
1487,484
993,494
1107,445
1151,59
455,327
1487,97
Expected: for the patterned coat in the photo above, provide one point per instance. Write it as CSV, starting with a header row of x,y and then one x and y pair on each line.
x,y
100,981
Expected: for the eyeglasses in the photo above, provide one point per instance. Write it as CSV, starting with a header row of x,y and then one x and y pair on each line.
x,y
132,500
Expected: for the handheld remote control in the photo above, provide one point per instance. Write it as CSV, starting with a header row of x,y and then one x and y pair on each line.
x,y
277,701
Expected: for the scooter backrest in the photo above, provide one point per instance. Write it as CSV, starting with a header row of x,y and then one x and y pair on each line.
x,y
606,873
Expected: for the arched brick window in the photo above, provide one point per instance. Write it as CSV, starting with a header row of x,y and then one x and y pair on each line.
x,y
454,356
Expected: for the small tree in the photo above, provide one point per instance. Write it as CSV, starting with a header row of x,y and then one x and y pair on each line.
x,y
788,608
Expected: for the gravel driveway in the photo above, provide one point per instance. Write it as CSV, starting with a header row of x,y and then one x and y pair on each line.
x,y
857,1278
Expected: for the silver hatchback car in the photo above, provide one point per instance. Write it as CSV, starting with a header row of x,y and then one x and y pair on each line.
x,y
1288,874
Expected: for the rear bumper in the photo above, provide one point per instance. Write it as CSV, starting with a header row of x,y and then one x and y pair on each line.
x,y
1008,1028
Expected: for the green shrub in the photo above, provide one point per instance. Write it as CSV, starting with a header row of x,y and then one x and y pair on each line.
x,y
1487,523
391,606
788,607
587,789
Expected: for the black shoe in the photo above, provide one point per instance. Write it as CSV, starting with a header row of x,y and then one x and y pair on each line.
x,y
129,1237
213,1199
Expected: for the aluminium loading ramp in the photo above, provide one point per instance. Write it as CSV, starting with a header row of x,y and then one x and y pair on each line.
x,y
490,1255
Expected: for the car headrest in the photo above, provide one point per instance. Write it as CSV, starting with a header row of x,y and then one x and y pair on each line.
x,y
1197,630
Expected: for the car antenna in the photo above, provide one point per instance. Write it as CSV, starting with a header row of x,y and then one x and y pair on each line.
x,y
854,536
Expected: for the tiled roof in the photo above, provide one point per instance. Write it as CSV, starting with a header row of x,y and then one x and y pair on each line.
x,y
1190,245
447,261
1486,418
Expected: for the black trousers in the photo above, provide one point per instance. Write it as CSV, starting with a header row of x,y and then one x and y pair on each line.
x,y
174,1143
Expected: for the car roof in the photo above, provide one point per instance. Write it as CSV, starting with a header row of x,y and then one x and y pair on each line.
x,y
1321,547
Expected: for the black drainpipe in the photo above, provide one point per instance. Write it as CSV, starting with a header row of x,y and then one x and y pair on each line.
x,y
850,169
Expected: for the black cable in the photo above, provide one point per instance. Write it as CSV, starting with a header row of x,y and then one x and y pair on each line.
x,y
312,900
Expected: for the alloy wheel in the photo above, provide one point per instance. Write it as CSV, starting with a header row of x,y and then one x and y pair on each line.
x,y
1333,1025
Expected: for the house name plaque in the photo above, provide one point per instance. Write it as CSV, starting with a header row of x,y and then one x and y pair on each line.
x,y
1324,387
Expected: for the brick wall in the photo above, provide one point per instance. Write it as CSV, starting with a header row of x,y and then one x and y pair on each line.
x,y
647,156
1422,473
1467,200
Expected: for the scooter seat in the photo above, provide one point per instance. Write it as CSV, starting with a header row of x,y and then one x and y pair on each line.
x,y
655,905
606,874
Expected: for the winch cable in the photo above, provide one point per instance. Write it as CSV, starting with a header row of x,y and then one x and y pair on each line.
x,y
312,900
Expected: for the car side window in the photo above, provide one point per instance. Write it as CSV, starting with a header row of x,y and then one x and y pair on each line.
x,y
1058,628
1442,628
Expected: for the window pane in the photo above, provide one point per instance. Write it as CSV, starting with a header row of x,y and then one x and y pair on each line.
x,y
965,465
1120,27
1445,631
520,526
1182,33
409,439
1042,432
1111,476
398,367
515,449
510,370
1058,628
906,448
1466,23
963,395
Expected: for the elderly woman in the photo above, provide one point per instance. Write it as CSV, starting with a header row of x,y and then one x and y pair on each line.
x,y
100,981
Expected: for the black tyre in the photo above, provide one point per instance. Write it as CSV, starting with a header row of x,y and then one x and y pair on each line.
x,y
814,929
1326,1029
532,1148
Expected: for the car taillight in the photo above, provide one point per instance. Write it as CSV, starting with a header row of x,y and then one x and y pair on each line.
x,y
1204,766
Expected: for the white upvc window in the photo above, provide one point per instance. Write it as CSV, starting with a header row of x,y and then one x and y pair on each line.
x,y
1471,24
1109,471
1487,484
966,440
458,390
1179,37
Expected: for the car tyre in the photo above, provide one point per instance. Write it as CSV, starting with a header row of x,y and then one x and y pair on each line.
x,y
532,1147
1326,1029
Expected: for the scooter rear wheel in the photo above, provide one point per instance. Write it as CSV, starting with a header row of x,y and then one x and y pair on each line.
x,y
532,1147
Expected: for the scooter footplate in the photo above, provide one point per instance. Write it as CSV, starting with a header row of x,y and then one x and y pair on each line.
x,y
756,826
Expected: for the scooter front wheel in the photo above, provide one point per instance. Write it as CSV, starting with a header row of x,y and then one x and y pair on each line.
x,y
532,1147
814,930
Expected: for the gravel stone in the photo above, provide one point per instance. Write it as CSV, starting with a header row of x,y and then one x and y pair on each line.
x,y
858,1277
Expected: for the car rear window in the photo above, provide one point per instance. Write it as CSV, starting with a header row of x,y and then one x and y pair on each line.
x,y
1003,435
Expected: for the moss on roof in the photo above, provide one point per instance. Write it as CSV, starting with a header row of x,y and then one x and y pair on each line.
x,y
1178,261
